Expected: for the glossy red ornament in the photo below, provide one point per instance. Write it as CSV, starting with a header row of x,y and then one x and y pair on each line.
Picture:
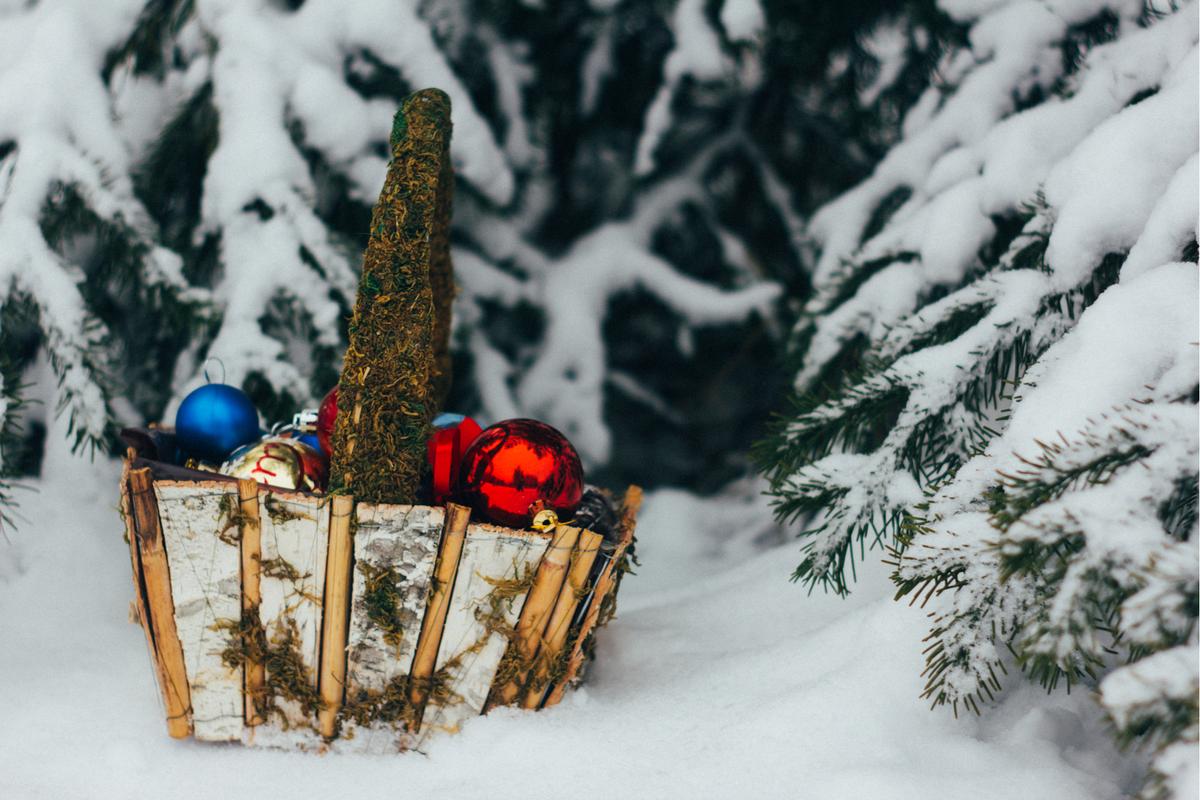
x,y
445,450
513,465
326,416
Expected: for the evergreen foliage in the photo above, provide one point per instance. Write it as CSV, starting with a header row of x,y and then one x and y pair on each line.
x,y
996,375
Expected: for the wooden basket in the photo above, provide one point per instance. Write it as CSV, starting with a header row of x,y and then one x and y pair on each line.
x,y
289,619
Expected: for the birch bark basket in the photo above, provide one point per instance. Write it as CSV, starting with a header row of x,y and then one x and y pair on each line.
x,y
470,650
206,586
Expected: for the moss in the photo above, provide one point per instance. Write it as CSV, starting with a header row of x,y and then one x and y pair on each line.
x,y
279,512
287,676
390,705
282,569
383,602
231,512
514,666
395,367
393,706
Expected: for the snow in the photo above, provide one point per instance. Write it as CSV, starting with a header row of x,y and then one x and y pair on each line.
x,y
961,177
697,53
1104,210
718,677
1139,325
743,20
888,44
1172,225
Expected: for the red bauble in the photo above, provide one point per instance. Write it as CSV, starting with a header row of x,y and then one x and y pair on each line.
x,y
445,450
513,465
326,416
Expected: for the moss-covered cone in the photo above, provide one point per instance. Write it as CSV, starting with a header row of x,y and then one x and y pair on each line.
x,y
397,363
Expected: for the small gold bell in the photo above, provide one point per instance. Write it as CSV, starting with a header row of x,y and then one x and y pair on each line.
x,y
544,520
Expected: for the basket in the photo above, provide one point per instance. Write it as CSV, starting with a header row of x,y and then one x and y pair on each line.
x,y
286,619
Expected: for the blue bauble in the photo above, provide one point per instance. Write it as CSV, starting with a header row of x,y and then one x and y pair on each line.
x,y
312,441
214,420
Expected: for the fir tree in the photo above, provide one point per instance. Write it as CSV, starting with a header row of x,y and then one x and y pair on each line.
x,y
997,371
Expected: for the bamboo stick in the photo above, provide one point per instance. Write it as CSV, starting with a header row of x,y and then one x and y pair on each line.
x,y
538,606
255,672
139,584
604,584
156,575
332,682
444,573
560,618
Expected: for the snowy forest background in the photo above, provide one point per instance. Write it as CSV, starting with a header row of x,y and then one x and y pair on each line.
x,y
949,245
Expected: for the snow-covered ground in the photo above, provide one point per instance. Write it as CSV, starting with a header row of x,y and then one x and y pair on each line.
x,y
719,679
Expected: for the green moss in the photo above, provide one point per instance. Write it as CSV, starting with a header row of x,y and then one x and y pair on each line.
x,y
287,676
383,601
396,366
399,127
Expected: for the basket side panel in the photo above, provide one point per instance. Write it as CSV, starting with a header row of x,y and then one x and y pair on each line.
x,y
295,540
205,567
607,581
395,547
481,612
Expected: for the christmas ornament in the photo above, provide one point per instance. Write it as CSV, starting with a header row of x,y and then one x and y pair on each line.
x,y
314,463
326,417
445,449
518,467
274,462
597,514
316,466
214,420
303,428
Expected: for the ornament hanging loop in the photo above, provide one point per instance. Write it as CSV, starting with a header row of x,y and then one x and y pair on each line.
x,y
218,362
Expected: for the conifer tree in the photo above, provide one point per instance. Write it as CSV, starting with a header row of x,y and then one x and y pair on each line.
x,y
997,375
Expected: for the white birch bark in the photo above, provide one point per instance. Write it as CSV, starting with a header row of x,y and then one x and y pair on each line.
x,y
489,553
405,539
295,534
206,587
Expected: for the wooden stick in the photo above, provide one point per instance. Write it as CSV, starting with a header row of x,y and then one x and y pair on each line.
x,y
255,672
139,583
444,573
604,584
156,575
332,682
538,606
560,619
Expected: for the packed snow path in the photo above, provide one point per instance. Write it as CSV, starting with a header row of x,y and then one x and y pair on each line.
x,y
719,679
